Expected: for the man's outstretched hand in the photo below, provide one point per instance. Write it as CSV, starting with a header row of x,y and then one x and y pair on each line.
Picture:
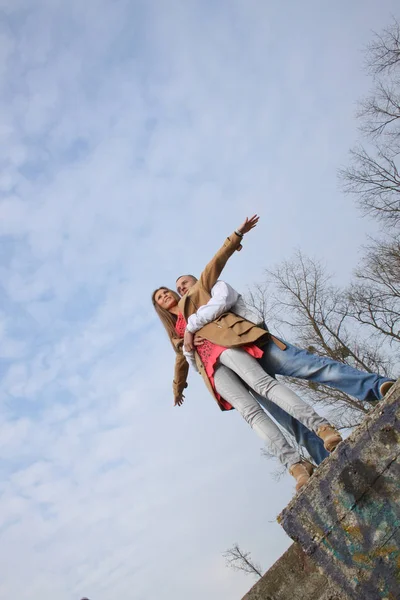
x,y
249,224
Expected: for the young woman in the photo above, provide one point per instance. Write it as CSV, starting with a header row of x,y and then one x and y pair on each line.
x,y
227,358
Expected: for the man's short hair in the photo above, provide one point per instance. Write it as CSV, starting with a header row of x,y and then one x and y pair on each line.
x,y
186,275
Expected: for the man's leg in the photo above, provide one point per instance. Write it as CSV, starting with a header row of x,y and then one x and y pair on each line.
x,y
295,362
232,389
303,436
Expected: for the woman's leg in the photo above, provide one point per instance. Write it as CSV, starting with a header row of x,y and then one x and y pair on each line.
x,y
303,436
248,369
229,386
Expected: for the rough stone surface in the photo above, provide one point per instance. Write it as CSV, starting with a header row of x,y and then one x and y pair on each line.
x,y
347,519
294,577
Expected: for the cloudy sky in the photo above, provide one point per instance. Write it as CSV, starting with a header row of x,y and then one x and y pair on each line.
x,y
136,135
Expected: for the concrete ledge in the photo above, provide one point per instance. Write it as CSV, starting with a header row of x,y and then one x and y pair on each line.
x,y
347,519
294,577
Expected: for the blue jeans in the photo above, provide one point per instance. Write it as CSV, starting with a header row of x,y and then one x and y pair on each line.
x,y
294,362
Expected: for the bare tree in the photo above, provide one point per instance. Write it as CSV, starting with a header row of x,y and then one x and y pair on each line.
x,y
358,326
374,179
300,296
373,176
239,560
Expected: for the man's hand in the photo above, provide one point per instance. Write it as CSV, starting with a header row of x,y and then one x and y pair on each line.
x,y
188,341
198,340
248,225
178,400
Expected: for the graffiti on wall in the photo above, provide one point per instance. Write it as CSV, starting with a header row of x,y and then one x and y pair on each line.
x,y
349,521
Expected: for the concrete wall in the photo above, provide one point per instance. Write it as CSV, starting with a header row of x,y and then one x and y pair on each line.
x,y
294,577
346,520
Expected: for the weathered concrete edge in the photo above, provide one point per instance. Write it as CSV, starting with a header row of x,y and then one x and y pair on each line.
x,y
295,576
296,572
373,461
387,407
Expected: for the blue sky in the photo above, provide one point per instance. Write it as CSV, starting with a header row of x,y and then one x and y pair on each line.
x,y
134,137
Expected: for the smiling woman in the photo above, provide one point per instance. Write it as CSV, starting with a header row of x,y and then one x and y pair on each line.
x,y
227,361
165,302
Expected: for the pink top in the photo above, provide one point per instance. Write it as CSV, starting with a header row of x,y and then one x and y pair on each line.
x,y
209,354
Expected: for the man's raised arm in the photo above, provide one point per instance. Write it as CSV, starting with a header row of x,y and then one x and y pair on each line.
x,y
213,269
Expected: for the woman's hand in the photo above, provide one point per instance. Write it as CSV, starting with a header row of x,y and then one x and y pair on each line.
x,y
188,341
178,400
248,225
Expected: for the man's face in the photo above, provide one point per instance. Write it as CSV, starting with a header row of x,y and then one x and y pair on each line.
x,y
184,283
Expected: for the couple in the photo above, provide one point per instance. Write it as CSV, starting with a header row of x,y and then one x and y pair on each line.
x,y
238,361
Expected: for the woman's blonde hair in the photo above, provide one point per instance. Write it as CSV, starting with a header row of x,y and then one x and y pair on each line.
x,y
167,319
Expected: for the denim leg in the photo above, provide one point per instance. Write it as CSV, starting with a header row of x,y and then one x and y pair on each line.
x,y
303,436
295,362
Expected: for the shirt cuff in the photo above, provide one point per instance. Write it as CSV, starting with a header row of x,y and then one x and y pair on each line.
x,y
189,329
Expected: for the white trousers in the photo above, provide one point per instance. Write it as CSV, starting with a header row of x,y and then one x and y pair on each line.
x,y
236,366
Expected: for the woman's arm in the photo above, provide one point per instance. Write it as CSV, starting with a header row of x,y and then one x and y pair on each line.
x,y
214,268
180,377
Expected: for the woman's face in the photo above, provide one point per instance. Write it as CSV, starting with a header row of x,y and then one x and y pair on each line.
x,y
165,299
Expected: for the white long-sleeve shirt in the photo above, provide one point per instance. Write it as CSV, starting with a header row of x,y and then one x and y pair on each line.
x,y
223,299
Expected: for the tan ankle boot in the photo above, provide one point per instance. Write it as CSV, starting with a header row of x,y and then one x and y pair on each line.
x,y
385,387
300,473
330,436
309,466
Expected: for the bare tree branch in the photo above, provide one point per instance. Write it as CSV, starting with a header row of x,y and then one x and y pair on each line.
x,y
383,52
239,560
375,182
379,113
374,298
